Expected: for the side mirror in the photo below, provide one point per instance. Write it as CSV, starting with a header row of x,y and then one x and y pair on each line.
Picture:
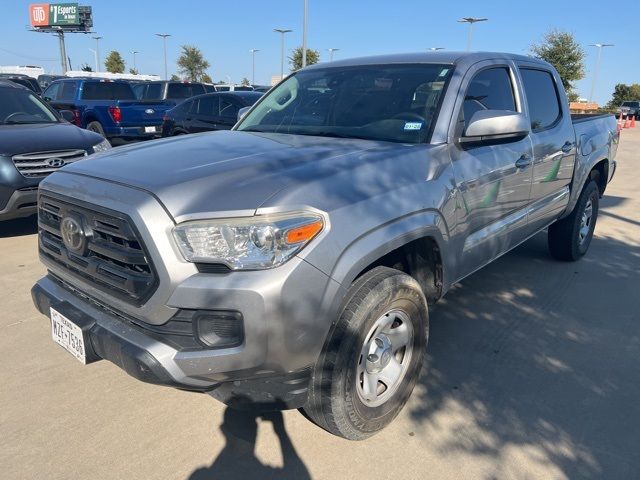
x,y
242,112
67,115
495,125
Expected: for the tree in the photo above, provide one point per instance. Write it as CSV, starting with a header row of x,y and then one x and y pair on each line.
x,y
114,62
86,68
623,93
562,51
245,82
175,77
192,63
134,71
206,78
295,60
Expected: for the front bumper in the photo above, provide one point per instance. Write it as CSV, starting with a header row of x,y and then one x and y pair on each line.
x,y
22,203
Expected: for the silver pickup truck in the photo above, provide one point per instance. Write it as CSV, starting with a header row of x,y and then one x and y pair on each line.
x,y
290,262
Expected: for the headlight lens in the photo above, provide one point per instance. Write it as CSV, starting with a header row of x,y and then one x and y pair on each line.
x,y
102,146
252,243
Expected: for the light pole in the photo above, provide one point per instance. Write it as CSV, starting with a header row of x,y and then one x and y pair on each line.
x,y
331,50
164,41
597,70
95,56
134,60
253,65
471,21
97,39
304,36
433,49
282,32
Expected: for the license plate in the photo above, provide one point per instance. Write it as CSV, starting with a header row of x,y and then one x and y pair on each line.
x,y
150,129
67,334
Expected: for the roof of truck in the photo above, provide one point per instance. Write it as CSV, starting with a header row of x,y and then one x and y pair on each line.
x,y
440,56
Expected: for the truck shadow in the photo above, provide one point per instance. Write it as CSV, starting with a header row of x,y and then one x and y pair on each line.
x,y
237,459
538,356
19,227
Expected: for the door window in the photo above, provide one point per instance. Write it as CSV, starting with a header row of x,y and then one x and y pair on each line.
x,y
542,98
208,106
490,89
67,91
228,109
51,93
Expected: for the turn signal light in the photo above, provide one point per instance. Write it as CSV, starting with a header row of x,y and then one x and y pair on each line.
x,y
304,233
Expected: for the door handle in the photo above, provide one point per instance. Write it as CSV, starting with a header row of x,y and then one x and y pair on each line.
x,y
567,147
524,161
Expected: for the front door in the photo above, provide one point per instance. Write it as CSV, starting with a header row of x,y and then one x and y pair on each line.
x,y
494,180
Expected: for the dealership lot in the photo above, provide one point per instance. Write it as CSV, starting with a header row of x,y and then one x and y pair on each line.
x,y
532,372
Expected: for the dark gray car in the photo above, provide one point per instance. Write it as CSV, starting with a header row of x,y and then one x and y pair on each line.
x,y
290,262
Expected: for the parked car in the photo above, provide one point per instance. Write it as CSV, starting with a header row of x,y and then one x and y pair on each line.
x,y
23,80
107,107
291,261
630,109
233,88
45,80
203,113
169,92
34,142
261,88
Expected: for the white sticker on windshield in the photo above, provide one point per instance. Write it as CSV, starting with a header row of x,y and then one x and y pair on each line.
x,y
413,125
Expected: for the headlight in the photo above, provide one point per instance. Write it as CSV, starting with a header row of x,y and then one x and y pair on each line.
x,y
252,243
102,146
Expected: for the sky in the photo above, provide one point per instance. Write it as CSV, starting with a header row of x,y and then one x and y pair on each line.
x,y
225,31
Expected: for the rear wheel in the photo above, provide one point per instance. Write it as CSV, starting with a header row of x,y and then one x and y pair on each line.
x,y
570,237
372,360
96,127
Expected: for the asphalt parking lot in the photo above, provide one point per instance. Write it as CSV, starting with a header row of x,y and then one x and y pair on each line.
x,y
532,372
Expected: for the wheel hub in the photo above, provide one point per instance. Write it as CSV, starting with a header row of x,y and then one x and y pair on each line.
x,y
384,358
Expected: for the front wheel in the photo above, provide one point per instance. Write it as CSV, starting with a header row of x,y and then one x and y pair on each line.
x,y
570,237
373,357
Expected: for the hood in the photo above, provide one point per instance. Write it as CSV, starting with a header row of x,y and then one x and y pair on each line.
x,y
16,139
223,171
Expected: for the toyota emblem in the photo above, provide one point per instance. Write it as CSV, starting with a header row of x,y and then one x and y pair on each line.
x,y
73,236
55,162
150,111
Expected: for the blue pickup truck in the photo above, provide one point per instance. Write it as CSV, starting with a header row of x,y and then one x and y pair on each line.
x,y
109,108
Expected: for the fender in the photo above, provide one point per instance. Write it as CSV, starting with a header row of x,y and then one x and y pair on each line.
x,y
376,243
589,152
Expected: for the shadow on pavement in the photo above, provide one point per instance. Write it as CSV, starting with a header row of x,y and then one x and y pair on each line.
x,y
514,363
19,227
237,460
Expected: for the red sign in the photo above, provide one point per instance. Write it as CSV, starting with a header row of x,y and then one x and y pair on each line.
x,y
39,14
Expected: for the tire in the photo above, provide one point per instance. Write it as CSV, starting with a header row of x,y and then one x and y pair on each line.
x,y
96,127
382,307
570,237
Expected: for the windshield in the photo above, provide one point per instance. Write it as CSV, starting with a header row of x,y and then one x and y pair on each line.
x,y
396,103
630,104
19,106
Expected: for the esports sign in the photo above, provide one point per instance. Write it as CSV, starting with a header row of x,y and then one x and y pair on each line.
x,y
54,14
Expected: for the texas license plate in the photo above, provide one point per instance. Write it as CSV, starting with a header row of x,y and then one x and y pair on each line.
x,y
67,334
150,129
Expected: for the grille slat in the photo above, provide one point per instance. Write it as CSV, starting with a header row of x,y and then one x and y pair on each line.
x,y
114,262
43,163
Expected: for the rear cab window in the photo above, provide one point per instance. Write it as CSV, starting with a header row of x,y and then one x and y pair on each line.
x,y
543,101
107,91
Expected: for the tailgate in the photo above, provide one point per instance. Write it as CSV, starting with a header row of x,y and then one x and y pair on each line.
x,y
139,113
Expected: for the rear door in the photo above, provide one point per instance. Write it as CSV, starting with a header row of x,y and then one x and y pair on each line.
x,y
204,114
62,95
493,192
553,139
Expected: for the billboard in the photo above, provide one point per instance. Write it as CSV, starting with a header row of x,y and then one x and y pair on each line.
x,y
54,14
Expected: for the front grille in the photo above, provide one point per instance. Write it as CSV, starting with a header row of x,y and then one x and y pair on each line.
x,y
43,163
114,260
